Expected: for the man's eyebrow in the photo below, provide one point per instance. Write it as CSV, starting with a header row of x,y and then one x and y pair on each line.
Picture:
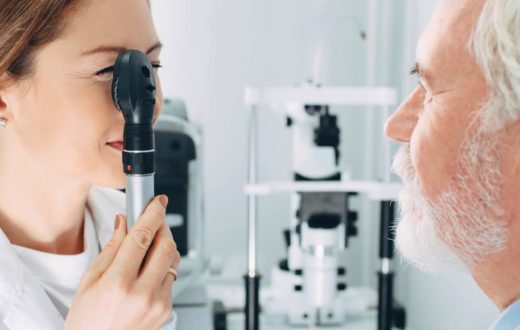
x,y
116,49
416,70
423,74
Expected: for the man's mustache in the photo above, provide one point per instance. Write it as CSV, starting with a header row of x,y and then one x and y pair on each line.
x,y
402,164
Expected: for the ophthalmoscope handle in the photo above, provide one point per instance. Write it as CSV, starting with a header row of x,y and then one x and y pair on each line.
x,y
139,192
133,93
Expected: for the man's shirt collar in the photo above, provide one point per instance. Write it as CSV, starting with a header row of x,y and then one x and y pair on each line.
x,y
509,319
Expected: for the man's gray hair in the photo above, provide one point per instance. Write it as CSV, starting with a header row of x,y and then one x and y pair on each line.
x,y
496,47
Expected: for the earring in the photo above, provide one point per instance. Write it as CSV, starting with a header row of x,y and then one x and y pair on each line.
x,y
3,123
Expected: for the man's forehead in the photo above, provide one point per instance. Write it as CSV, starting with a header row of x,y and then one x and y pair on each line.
x,y
443,44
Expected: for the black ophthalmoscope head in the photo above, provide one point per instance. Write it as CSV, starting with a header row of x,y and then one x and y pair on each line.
x,y
133,93
133,87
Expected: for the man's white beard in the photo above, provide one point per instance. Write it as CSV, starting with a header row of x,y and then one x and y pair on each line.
x,y
464,223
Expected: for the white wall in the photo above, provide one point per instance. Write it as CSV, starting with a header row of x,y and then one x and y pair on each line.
x,y
214,48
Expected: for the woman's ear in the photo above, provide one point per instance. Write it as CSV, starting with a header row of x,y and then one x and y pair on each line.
x,y
6,84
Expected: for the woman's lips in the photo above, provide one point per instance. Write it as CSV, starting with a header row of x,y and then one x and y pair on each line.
x,y
116,145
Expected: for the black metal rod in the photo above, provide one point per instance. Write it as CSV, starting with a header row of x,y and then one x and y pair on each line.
x,y
252,278
386,243
385,306
252,301
386,276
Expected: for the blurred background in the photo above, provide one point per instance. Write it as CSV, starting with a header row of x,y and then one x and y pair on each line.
x,y
213,49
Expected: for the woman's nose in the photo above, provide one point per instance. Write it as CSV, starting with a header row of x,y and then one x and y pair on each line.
x,y
402,122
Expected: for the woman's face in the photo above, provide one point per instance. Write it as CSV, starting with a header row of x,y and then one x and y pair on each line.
x,y
63,116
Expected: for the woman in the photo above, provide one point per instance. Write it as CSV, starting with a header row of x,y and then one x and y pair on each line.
x,y
62,264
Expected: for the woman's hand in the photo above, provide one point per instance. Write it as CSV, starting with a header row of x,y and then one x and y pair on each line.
x,y
128,286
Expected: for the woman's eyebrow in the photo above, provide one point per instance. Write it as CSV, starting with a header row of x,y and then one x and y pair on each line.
x,y
117,49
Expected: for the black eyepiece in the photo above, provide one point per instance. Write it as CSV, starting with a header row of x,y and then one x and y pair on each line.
x,y
133,93
133,87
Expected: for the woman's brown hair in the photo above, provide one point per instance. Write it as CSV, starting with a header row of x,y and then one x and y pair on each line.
x,y
26,26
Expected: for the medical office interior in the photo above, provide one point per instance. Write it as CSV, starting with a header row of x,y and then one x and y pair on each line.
x,y
313,81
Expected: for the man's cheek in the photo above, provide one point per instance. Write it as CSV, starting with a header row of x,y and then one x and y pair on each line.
x,y
421,162
435,166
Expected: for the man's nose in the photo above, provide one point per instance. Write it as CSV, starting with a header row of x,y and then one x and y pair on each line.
x,y
400,125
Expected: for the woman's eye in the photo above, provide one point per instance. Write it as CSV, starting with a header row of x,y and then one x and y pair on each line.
x,y
105,71
109,70
156,67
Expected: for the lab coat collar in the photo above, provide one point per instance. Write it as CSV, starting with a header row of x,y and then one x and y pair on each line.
x,y
104,204
23,302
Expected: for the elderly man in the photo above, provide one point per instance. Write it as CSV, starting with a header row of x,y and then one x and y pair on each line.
x,y
460,208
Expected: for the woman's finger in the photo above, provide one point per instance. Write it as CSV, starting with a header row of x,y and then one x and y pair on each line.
x,y
107,255
162,255
127,261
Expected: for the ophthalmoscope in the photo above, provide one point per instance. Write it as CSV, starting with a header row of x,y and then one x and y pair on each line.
x,y
133,92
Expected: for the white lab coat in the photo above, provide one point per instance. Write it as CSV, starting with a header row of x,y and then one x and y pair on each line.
x,y
24,304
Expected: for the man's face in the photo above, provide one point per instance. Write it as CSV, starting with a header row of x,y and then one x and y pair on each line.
x,y
452,173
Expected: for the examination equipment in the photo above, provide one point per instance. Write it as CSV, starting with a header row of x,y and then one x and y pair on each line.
x,y
133,93
311,282
179,175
